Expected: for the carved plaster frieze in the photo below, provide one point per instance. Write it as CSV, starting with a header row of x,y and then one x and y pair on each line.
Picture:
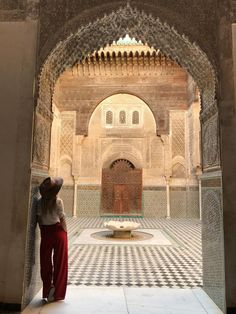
x,y
210,143
140,25
148,29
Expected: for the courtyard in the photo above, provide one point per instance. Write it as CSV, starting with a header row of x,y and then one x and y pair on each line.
x,y
133,278
178,265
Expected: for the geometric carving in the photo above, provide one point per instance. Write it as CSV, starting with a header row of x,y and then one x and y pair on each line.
x,y
210,143
67,132
122,165
41,147
149,29
211,201
178,134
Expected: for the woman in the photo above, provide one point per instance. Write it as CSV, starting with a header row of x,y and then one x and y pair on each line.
x,y
52,223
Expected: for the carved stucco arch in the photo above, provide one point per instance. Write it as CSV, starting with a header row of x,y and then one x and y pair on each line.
x,y
110,155
146,28
139,25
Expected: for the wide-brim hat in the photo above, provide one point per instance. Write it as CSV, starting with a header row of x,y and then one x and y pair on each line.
x,y
50,187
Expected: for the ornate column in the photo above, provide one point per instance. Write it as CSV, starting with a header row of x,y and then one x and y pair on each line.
x,y
75,197
198,174
167,197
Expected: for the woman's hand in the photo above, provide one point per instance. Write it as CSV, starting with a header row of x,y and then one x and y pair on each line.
x,y
63,223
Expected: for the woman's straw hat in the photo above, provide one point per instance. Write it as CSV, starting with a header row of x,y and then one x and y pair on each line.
x,y
50,187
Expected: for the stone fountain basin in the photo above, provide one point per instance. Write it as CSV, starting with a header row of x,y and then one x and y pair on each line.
x,y
121,229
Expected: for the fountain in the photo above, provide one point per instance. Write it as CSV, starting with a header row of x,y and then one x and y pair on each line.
x,y
122,229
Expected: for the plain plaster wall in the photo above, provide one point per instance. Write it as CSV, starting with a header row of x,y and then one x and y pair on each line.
x,y
18,42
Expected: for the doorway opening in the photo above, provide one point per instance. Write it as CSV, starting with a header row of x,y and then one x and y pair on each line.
x,y
159,192
121,189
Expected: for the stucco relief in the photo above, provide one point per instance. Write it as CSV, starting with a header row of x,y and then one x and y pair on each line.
x,y
210,143
212,214
148,29
41,142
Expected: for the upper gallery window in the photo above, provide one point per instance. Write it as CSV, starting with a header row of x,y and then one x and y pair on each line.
x,y
135,117
109,117
122,117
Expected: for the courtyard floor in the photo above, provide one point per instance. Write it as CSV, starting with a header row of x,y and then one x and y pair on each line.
x,y
121,300
162,275
174,262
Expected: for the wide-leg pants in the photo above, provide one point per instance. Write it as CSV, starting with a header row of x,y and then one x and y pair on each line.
x,y
54,260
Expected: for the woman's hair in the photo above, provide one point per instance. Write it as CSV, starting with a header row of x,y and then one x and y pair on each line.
x,y
48,204
49,189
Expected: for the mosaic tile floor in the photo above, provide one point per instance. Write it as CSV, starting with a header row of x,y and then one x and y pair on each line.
x,y
175,266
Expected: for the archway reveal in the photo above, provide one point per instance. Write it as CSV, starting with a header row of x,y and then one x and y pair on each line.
x,y
161,36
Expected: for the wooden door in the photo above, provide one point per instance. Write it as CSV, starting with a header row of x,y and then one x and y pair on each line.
x,y
121,199
121,190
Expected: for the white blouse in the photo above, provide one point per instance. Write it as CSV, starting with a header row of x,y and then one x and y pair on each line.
x,y
52,216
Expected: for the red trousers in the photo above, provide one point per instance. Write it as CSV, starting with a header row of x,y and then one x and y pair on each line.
x,y
54,260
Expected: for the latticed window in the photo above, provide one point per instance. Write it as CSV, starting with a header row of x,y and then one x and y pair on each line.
x,y
109,117
135,117
122,117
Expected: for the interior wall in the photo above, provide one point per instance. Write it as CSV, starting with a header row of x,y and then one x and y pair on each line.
x,y
17,63
80,159
18,41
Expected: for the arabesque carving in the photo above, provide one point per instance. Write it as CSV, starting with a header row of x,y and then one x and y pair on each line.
x,y
141,26
213,214
149,30
41,142
210,143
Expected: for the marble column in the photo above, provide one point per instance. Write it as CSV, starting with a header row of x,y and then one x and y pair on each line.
x,y
167,197
75,197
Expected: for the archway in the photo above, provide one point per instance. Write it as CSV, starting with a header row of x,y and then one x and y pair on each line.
x,y
159,35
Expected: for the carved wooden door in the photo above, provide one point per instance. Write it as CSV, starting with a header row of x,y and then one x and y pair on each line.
x,y
121,190
121,199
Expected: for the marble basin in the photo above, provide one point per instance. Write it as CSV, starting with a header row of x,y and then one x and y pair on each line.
x,y
121,229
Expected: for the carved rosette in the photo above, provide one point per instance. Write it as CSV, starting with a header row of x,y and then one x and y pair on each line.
x,y
210,143
41,146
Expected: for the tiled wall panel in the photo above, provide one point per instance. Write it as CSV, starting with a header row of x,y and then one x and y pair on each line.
x,y
213,240
88,202
178,203
154,203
